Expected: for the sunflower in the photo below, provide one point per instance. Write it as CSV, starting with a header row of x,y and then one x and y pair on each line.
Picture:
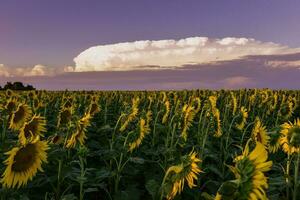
x,y
64,116
37,104
80,133
144,129
32,130
242,118
188,117
197,101
23,163
217,123
132,115
290,137
249,169
56,139
11,105
94,108
274,141
234,103
259,133
9,93
176,175
20,116
167,112
286,110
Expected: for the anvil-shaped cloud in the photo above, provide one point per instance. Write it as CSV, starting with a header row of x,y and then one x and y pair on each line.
x,y
164,54
190,63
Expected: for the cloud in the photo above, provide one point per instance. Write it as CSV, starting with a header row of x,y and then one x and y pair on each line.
x,y
238,82
165,54
3,71
37,70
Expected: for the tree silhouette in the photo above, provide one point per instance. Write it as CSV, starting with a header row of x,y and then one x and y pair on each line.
x,y
17,86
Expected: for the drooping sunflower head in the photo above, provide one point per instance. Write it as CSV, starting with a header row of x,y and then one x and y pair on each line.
x,y
233,103
20,116
64,116
167,112
94,108
131,116
189,113
290,137
286,110
37,103
249,172
216,123
259,133
274,141
186,171
212,102
23,163
242,118
197,101
55,139
79,136
32,130
31,95
144,129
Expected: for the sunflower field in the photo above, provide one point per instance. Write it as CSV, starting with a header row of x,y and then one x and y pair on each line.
x,y
200,144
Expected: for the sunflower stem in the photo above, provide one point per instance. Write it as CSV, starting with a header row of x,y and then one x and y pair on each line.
x,y
288,176
296,177
58,179
82,174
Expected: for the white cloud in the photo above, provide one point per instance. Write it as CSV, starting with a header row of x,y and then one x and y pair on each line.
x,y
237,82
284,64
172,53
3,71
37,70
69,69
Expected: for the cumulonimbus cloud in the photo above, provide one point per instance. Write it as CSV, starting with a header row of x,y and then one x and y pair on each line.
x,y
162,54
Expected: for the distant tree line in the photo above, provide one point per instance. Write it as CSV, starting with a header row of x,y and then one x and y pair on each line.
x,y
16,86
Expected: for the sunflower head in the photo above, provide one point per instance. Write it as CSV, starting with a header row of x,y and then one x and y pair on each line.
x,y
259,133
233,103
11,106
286,110
290,137
79,136
23,163
31,95
64,116
274,142
9,93
94,108
249,172
143,130
20,116
68,104
32,130
56,139
167,112
242,118
189,113
186,171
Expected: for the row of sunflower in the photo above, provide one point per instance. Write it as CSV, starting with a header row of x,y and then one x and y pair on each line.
x,y
201,144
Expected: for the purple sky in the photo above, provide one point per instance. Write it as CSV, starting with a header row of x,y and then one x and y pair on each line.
x,y
53,32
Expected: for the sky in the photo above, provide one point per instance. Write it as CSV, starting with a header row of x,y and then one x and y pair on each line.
x,y
143,44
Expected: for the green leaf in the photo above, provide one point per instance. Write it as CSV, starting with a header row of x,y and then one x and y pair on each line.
x,y
152,187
